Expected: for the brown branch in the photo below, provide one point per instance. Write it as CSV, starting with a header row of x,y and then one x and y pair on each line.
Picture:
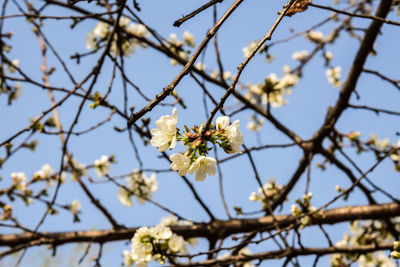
x,y
167,90
375,110
349,86
179,22
376,18
383,77
290,253
216,228
243,65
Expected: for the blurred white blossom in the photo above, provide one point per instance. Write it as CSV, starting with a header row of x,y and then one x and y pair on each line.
x,y
75,206
102,166
249,49
140,186
315,36
300,55
333,76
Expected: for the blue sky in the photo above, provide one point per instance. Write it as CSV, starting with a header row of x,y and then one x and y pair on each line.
x,y
152,71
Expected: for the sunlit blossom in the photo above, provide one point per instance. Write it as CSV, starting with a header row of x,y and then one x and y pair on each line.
x,y
203,166
164,136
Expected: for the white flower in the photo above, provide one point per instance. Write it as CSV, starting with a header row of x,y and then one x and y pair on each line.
x,y
257,89
286,69
176,243
101,30
102,166
315,36
397,145
253,196
202,166
18,177
214,74
19,180
168,221
333,76
173,39
288,80
305,220
235,137
200,66
14,65
394,157
127,46
252,126
227,75
249,49
189,39
166,242
91,41
246,252
124,197
180,163
164,136
161,232
124,21
75,207
255,124
140,186
17,91
300,55
128,261
142,249
138,29
45,172
77,169
382,144
294,209
328,55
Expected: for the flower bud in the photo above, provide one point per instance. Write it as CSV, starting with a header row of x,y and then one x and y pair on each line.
x,y
395,255
396,246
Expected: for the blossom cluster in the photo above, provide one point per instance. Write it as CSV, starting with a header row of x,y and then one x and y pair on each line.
x,y
75,209
6,211
172,220
14,91
123,41
273,90
157,243
255,123
138,185
380,147
371,232
315,36
249,49
76,168
303,208
333,76
267,194
300,55
45,174
102,166
195,159
180,48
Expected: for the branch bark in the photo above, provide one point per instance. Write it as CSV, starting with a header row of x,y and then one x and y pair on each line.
x,y
218,228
